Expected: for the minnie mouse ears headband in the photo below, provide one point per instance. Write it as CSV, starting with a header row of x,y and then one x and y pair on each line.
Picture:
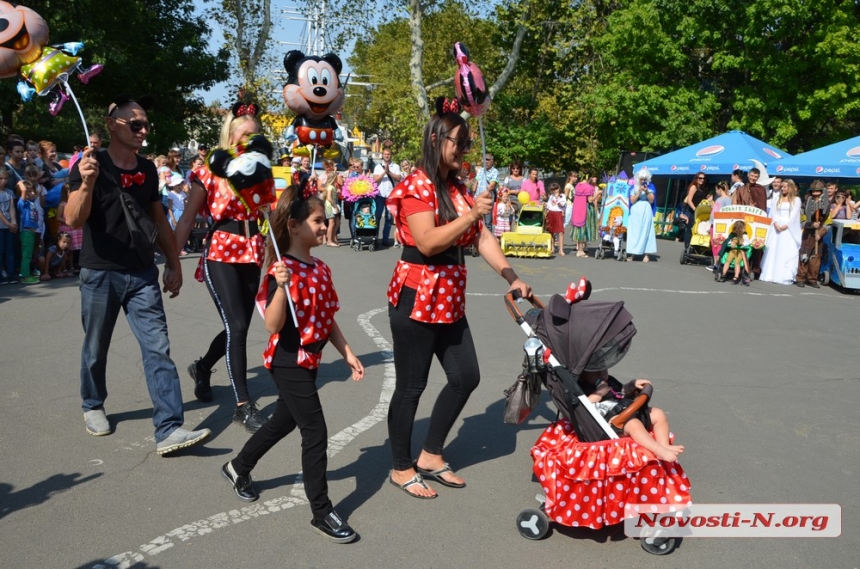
x,y
445,105
241,108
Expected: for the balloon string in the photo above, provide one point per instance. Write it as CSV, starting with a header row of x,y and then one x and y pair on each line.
x,y
483,143
314,160
77,106
278,254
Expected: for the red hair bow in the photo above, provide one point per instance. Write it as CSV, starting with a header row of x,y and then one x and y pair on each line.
x,y
451,106
249,109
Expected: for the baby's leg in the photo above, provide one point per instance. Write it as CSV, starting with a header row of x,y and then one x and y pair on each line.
x,y
636,431
660,426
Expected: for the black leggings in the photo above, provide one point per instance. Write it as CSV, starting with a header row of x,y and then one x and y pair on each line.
x,y
233,287
298,405
415,344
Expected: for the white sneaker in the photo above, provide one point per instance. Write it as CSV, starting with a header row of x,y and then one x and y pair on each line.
x,y
181,438
97,422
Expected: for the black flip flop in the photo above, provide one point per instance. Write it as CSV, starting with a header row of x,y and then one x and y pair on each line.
x,y
436,476
417,479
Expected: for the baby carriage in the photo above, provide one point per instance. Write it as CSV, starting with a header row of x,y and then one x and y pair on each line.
x,y
700,241
364,222
590,477
612,232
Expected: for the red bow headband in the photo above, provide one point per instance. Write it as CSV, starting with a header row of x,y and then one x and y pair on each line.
x,y
446,105
241,109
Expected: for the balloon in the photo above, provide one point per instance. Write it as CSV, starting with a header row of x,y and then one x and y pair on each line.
x,y
469,83
45,69
524,198
248,170
314,93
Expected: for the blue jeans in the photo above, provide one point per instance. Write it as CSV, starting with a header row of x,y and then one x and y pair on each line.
x,y
103,294
7,252
389,221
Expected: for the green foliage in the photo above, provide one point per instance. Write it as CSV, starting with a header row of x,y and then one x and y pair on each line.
x,y
157,47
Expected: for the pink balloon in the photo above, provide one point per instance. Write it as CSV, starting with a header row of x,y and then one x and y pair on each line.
x,y
469,83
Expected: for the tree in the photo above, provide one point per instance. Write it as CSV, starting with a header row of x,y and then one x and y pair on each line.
x,y
159,47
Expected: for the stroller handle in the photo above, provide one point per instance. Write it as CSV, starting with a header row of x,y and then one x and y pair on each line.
x,y
512,299
645,394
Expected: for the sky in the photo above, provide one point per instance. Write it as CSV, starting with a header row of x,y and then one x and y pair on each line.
x,y
284,30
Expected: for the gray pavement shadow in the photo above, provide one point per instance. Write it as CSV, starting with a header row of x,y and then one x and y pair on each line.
x,y
486,437
339,371
39,492
370,471
106,563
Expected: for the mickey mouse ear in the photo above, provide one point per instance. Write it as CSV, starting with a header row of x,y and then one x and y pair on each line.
x,y
439,103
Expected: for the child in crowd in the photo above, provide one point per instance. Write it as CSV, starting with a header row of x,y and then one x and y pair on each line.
x,y
555,206
504,213
365,218
77,235
735,252
8,230
722,199
609,397
293,355
178,195
30,222
57,261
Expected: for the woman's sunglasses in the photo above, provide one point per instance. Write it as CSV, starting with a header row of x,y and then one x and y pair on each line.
x,y
135,125
462,146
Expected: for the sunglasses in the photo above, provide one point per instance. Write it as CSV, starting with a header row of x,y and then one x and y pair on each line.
x,y
461,146
700,177
135,125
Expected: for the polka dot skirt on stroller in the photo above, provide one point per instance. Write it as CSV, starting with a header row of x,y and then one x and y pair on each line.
x,y
590,476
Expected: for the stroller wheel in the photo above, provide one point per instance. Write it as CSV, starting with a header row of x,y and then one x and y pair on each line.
x,y
372,246
658,545
684,257
532,524
357,246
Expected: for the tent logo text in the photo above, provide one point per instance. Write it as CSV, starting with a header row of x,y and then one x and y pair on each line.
x,y
710,150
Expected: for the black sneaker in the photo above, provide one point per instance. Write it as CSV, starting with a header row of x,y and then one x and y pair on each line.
x,y
201,377
249,417
334,528
243,486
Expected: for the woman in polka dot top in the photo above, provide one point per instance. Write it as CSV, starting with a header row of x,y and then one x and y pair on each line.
x,y
435,219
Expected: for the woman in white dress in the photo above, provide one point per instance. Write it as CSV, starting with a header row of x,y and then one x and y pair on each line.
x,y
779,264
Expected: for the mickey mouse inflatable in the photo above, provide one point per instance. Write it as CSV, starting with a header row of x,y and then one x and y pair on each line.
x,y
247,169
314,92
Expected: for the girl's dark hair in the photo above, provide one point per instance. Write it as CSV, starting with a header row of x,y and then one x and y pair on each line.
x,y
553,187
441,124
516,164
290,206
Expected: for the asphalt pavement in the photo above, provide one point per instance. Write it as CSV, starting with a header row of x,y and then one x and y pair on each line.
x,y
761,384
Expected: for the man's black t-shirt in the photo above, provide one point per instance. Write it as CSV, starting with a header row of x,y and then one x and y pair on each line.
x,y
107,242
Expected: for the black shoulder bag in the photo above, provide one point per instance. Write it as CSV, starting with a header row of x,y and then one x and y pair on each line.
x,y
142,229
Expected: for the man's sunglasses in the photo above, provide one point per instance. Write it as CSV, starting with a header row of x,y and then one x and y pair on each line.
x,y
135,125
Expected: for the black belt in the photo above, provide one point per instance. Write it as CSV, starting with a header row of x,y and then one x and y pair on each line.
x,y
247,227
450,256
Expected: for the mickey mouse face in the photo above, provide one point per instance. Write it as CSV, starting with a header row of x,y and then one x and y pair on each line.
x,y
23,32
313,88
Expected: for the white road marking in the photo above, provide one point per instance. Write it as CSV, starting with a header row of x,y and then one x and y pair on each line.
x,y
336,443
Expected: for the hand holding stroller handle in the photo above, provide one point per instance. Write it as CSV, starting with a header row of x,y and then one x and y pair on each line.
x,y
645,394
512,299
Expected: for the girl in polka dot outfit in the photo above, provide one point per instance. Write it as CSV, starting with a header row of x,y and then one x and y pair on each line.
x,y
293,356
435,219
230,267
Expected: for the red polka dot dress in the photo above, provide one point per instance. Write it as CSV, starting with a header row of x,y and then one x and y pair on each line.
x,y
440,289
223,204
596,484
316,303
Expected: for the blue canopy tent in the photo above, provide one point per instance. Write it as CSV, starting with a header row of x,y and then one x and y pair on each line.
x,y
717,156
840,160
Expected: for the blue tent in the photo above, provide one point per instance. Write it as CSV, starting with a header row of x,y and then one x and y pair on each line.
x,y
840,160
719,155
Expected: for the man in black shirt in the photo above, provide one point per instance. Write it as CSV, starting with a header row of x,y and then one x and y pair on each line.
x,y
116,274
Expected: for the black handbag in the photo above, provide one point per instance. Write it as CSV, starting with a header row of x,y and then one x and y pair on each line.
x,y
521,398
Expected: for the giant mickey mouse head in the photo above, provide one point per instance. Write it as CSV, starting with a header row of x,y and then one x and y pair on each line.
x,y
23,32
314,92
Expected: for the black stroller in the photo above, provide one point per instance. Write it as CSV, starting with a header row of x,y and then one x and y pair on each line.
x,y
364,223
590,476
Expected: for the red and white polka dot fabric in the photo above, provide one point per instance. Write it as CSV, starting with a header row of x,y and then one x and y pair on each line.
x,y
596,484
222,203
316,302
441,292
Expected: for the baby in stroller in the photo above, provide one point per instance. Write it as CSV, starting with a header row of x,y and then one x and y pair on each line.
x,y
611,398
735,254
